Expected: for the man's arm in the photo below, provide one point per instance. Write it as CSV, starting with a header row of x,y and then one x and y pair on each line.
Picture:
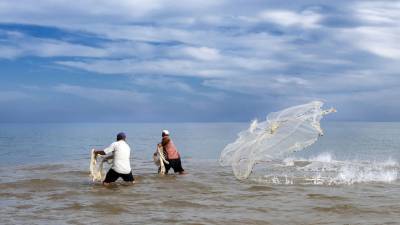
x,y
107,158
105,151
99,152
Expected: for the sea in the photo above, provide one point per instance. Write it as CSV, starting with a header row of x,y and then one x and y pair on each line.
x,y
349,176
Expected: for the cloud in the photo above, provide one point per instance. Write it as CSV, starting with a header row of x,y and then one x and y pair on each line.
x,y
378,12
163,83
17,44
202,53
377,40
379,32
102,95
261,85
305,19
176,67
227,52
64,14
223,67
174,87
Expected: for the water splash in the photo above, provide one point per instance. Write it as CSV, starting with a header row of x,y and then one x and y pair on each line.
x,y
325,170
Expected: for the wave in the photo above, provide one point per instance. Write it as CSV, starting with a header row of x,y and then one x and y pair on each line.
x,y
325,170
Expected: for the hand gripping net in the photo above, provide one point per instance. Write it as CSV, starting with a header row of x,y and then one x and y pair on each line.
x,y
283,132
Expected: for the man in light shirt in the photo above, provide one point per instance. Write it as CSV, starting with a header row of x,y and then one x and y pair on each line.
x,y
121,166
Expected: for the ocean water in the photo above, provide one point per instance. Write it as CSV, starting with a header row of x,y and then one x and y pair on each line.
x,y
350,176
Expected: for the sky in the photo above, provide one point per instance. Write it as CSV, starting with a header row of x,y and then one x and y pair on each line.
x,y
197,60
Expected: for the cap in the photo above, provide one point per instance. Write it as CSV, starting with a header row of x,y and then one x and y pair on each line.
x,y
166,132
121,136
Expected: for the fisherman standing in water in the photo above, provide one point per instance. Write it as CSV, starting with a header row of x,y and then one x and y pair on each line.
x,y
172,154
121,166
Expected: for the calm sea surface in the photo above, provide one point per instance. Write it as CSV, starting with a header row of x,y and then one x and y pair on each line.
x,y
350,176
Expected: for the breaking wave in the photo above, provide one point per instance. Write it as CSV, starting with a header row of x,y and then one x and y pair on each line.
x,y
325,170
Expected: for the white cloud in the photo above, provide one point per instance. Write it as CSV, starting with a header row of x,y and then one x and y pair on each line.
x,y
261,85
103,95
163,83
380,30
62,13
381,41
172,87
133,67
306,19
18,44
202,53
45,10
378,12
226,66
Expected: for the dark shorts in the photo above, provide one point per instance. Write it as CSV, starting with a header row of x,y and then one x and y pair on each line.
x,y
175,164
112,176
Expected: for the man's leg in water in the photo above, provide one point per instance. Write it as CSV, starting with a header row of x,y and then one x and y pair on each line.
x,y
128,178
167,167
111,176
176,164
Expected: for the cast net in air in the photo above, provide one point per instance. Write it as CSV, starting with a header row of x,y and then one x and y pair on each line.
x,y
282,133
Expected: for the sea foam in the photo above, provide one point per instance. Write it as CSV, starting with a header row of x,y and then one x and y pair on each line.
x,y
324,169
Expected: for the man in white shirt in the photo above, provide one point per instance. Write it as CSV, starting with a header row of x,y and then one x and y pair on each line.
x,y
121,164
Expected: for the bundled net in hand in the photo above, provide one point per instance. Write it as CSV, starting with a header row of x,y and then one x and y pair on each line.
x,y
282,133
96,169
160,159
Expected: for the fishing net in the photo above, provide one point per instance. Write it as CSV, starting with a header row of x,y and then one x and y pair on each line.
x,y
160,159
281,134
96,166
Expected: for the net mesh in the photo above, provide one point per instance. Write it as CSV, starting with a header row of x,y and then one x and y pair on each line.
x,y
281,134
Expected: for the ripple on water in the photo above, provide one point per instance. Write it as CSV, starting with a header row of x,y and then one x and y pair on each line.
x,y
326,197
35,185
49,167
97,207
260,188
22,196
345,209
24,206
183,204
62,195
75,173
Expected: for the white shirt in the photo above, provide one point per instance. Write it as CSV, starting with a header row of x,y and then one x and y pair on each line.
x,y
122,151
